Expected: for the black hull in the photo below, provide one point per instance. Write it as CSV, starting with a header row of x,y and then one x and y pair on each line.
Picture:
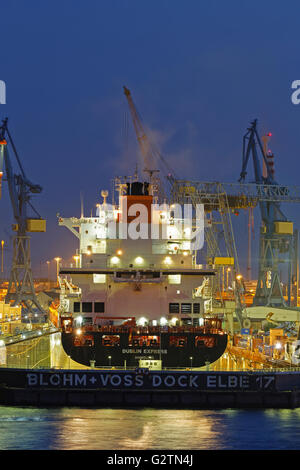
x,y
207,350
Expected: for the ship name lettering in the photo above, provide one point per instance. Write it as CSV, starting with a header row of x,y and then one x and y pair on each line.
x,y
180,381
32,379
115,380
170,381
128,380
68,379
56,379
131,351
154,351
139,381
231,381
104,379
80,380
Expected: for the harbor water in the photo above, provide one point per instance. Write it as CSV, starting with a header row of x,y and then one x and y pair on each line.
x,y
147,429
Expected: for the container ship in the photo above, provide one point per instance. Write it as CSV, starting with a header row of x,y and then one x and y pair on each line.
x,y
136,295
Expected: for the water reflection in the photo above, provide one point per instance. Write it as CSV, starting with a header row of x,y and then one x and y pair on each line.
x,y
73,428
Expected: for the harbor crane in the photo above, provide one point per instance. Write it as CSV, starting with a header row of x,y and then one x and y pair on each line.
x,y
278,239
150,154
21,189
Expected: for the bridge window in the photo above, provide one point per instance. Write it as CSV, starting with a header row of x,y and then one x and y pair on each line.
x,y
77,307
186,308
87,307
196,308
173,308
99,307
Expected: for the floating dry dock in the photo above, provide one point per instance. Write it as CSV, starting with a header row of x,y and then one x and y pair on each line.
x,y
142,388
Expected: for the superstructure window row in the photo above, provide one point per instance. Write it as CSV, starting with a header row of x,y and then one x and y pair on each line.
x,y
89,307
184,308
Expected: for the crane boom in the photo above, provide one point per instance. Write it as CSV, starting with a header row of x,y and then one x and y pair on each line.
x,y
149,152
143,141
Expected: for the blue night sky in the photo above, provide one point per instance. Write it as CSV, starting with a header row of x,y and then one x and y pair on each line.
x,y
199,72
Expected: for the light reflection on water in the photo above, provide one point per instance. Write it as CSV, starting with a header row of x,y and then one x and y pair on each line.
x,y
74,428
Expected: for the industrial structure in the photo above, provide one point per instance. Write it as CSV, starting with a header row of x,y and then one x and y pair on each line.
x,y
278,240
278,246
107,269
21,189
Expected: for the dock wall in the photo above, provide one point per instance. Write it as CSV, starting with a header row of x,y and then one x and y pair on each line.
x,y
165,389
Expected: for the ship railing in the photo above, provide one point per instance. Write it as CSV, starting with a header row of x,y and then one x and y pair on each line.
x,y
179,369
155,330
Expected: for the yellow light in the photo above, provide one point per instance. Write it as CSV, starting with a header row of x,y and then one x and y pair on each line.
x,y
239,277
119,252
88,252
168,260
79,331
142,321
185,253
76,257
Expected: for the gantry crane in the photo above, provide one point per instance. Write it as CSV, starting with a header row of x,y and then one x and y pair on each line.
x,y
21,189
278,239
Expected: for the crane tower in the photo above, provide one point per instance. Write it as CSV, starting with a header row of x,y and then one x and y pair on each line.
x,y
21,189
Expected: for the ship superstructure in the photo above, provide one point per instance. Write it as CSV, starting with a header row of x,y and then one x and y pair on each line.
x,y
136,265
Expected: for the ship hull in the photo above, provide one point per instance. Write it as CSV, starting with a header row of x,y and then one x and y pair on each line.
x,y
198,349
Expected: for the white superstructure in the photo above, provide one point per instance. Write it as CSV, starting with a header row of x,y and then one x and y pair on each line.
x,y
136,259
